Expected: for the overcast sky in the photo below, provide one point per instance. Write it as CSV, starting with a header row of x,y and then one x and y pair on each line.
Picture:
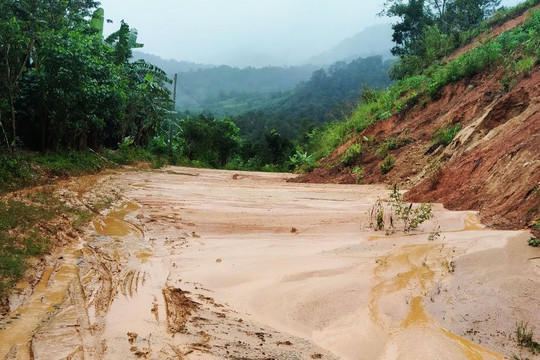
x,y
218,31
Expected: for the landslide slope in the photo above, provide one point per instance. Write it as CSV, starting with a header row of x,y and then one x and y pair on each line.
x,y
492,164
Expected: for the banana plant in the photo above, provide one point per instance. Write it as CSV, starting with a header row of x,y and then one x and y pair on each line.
x,y
123,41
97,20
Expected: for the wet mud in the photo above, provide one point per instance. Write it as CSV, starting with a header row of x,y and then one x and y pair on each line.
x,y
201,264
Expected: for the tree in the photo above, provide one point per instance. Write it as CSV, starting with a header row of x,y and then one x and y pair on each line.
x,y
415,16
463,15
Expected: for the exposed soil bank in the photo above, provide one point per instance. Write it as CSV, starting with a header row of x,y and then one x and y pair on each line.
x,y
492,165
195,264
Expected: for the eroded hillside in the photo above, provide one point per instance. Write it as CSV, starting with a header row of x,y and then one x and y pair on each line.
x,y
490,163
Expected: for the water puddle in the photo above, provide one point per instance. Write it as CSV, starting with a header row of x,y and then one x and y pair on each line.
x,y
46,300
410,273
470,223
113,224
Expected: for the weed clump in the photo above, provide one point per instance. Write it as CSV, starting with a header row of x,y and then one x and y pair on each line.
x,y
524,335
353,155
444,136
387,164
400,211
358,171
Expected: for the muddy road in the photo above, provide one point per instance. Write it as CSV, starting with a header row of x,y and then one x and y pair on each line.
x,y
203,264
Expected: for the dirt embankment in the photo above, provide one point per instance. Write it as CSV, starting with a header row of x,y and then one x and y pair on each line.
x,y
492,165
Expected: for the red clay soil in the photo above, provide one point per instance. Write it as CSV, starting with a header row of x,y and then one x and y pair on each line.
x,y
500,174
493,164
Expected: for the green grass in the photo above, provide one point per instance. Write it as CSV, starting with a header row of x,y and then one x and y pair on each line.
x,y
27,224
444,136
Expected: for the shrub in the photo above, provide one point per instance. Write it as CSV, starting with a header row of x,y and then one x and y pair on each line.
x,y
301,161
353,155
387,164
15,172
358,171
525,335
534,242
409,215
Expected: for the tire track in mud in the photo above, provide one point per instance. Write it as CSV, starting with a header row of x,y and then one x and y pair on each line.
x,y
120,303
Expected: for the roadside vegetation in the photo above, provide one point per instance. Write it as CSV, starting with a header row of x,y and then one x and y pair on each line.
x,y
30,224
525,338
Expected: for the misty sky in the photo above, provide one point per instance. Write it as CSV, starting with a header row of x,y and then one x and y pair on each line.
x,y
229,31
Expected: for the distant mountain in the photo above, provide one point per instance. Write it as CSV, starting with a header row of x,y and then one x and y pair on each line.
x,y
226,90
244,58
170,66
373,40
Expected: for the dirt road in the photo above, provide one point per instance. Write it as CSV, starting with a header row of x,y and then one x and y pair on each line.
x,y
202,264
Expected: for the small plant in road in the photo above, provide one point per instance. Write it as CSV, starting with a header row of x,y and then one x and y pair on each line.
x,y
409,215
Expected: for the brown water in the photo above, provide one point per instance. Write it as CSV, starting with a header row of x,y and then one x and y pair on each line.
x,y
46,300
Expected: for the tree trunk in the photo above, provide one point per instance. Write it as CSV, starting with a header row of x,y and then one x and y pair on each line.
x,y
13,119
4,133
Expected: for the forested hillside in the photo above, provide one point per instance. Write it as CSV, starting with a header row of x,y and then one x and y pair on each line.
x,y
327,95
226,91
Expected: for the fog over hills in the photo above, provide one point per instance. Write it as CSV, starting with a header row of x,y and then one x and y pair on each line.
x,y
373,40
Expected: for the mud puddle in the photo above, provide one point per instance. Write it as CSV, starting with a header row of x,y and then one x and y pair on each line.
x,y
46,300
410,274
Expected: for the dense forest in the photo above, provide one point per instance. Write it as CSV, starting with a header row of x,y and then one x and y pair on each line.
x,y
327,95
64,86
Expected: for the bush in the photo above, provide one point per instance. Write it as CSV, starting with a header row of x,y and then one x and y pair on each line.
x,y
15,172
353,155
358,171
387,164
410,216
525,335
301,161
